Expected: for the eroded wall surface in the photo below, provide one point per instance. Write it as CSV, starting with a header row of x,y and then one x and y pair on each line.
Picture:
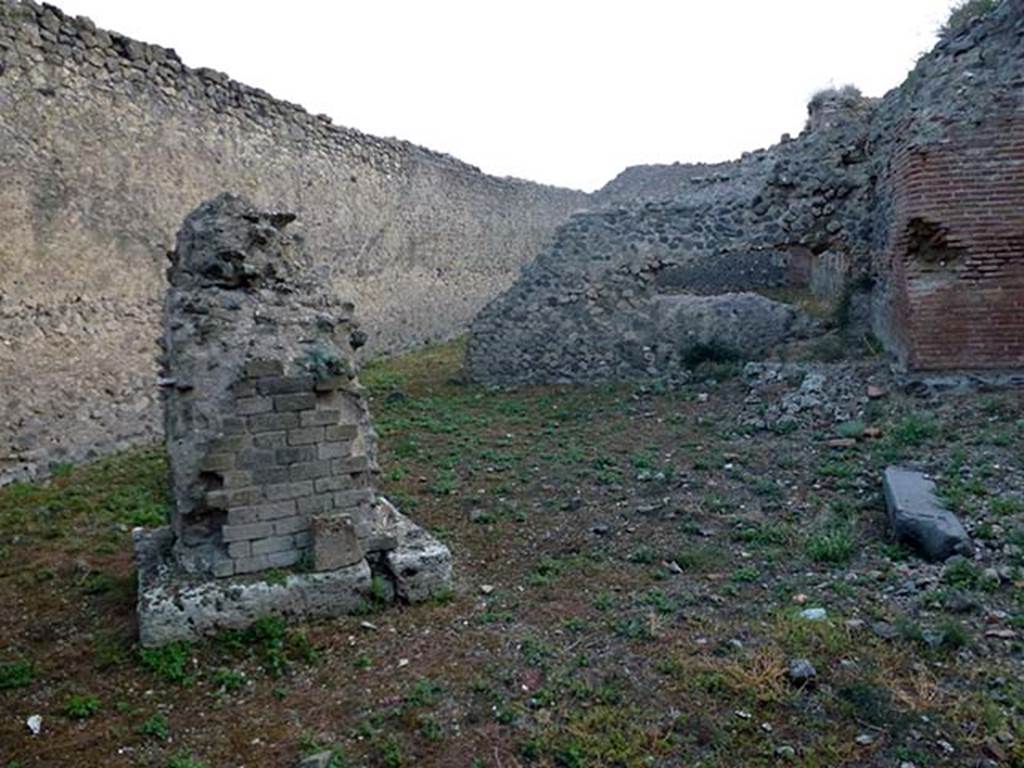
x,y
905,212
948,248
106,143
644,287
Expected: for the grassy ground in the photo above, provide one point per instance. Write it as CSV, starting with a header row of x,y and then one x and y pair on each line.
x,y
631,569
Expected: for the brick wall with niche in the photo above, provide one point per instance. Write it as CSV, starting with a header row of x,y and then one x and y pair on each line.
x,y
954,265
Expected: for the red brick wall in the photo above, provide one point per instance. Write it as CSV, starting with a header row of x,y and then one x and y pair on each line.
x,y
955,258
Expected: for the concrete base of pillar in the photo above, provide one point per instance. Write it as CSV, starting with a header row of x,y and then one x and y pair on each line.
x,y
176,606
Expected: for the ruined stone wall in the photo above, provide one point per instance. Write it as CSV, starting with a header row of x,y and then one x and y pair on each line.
x,y
658,182
106,143
845,207
612,295
269,441
265,424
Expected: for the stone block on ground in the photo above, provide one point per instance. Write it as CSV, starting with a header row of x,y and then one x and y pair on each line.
x,y
420,565
919,519
335,543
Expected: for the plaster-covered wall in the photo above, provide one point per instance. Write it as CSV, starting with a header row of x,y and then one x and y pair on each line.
x,y
106,143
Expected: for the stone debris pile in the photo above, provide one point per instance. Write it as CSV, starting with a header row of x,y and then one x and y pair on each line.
x,y
785,396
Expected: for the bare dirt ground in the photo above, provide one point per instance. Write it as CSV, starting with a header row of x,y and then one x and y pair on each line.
x,y
633,564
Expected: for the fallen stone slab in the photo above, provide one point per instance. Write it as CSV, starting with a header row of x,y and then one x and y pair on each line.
x,y
918,518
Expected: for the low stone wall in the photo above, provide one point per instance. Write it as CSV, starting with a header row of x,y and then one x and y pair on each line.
x,y
106,143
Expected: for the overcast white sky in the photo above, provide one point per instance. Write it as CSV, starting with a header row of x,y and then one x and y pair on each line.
x,y
567,92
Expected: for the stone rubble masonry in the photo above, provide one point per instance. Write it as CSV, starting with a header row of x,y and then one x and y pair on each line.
x,y
904,212
593,305
271,449
106,143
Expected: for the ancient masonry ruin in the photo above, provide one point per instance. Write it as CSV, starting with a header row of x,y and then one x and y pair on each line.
x,y
904,214
271,449
106,143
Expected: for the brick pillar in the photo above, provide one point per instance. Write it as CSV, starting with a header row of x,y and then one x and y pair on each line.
x,y
269,438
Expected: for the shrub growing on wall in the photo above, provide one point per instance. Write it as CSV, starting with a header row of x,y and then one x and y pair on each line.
x,y
963,12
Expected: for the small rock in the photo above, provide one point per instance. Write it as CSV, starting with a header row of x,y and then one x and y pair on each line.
x,y
319,760
486,589
1001,634
908,587
572,504
785,752
814,614
884,630
865,739
35,724
841,442
813,382
800,598
933,638
672,567
802,672
961,602
650,509
368,625
875,393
